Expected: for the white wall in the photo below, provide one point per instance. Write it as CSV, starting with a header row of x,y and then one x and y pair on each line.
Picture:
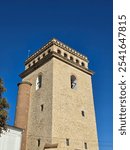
x,y
11,140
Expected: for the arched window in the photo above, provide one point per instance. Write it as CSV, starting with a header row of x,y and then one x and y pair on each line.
x,y
38,58
77,61
71,58
38,82
65,55
58,51
82,64
49,51
73,82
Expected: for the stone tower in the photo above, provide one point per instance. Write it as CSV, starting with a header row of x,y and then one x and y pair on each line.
x,y
55,102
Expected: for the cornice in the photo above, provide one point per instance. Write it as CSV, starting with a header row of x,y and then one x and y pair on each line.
x,y
59,44
47,58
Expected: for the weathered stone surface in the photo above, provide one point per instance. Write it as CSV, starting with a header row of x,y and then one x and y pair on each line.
x,y
61,117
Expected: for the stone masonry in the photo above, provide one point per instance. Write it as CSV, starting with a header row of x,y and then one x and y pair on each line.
x,y
56,116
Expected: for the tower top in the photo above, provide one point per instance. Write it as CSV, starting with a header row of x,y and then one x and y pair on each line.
x,y
59,50
60,44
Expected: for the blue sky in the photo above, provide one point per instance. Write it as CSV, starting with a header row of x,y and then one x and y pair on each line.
x,y
83,25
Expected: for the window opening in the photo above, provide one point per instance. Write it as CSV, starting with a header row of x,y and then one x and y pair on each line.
x,y
65,55
83,113
73,82
58,51
38,142
43,55
71,58
49,51
42,107
77,61
33,62
85,145
38,82
82,64
67,142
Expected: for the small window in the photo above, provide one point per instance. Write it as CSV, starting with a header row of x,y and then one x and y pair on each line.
x,y
82,64
43,55
58,51
49,51
33,62
77,61
42,107
38,82
38,58
85,145
73,82
65,55
71,58
38,142
67,142
29,65
83,113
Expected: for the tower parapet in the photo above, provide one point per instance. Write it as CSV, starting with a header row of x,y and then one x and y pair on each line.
x,y
55,48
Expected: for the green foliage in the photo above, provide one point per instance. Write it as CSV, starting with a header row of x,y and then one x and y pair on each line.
x,y
4,106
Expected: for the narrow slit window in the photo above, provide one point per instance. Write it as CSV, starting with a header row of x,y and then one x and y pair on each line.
x,y
38,82
38,58
85,146
73,82
83,113
38,142
42,107
67,142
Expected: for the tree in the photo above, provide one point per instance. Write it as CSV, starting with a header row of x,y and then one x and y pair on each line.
x,y
4,106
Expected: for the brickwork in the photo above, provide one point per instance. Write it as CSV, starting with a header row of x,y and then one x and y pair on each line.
x,y
22,110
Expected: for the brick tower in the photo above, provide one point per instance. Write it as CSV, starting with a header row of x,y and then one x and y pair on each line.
x,y
55,101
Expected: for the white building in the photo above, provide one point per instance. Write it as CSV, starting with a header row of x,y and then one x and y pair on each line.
x,y
11,140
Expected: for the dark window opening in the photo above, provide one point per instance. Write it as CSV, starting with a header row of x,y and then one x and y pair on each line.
x,y
58,51
49,51
82,64
38,142
85,145
67,142
43,55
38,58
33,62
71,58
83,113
29,65
42,107
65,55
77,61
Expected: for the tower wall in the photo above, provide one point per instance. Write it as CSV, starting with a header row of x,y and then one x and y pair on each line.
x,y
67,107
53,114
40,121
21,119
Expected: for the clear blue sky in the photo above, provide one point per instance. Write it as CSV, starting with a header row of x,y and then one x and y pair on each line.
x,y
85,25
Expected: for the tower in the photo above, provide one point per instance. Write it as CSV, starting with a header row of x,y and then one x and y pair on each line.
x,y
55,102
